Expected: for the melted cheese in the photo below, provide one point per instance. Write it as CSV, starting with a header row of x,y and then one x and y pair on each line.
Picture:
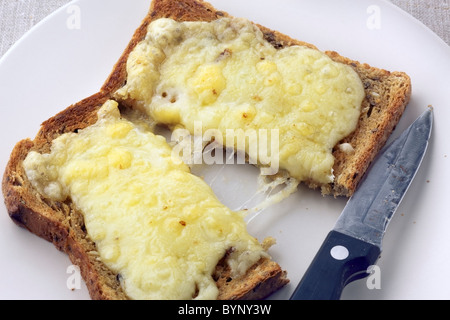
x,y
226,75
153,222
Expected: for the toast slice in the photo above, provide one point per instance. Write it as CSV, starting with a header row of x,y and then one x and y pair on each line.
x,y
386,94
61,223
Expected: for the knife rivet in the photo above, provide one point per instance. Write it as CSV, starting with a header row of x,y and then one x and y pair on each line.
x,y
339,252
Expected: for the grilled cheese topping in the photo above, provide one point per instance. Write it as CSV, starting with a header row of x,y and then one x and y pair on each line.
x,y
153,222
226,75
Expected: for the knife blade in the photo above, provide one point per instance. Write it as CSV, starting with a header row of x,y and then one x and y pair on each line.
x,y
355,243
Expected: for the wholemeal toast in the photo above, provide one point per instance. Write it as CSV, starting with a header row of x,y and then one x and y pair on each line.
x,y
386,94
62,223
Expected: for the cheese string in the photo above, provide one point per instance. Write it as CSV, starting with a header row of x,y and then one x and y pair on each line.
x,y
267,185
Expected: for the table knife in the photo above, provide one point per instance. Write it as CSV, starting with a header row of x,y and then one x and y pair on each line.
x,y
355,243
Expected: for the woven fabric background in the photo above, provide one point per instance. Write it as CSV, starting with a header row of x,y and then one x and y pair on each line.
x,y
19,16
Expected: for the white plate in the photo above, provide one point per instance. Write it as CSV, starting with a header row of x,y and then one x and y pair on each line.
x,y
57,64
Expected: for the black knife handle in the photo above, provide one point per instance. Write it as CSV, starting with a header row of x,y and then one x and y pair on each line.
x,y
340,260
